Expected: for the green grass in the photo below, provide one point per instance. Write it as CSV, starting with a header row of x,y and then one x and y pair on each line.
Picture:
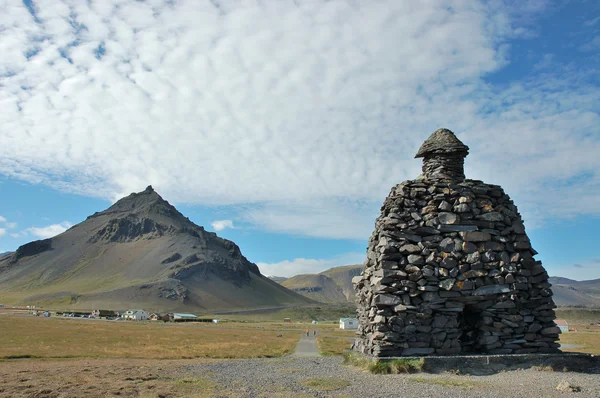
x,y
326,384
395,366
446,382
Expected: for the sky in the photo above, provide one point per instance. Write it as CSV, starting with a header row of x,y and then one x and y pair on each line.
x,y
283,125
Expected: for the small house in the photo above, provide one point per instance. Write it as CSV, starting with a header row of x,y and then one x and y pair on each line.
x,y
179,317
157,316
348,323
136,315
562,325
103,313
288,320
215,321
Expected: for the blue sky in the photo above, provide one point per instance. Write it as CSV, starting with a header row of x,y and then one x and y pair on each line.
x,y
284,126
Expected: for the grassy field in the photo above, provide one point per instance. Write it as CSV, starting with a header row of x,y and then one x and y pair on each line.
x,y
588,342
329,346
24,336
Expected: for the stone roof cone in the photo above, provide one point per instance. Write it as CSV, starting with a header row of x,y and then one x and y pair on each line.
x,y
443,156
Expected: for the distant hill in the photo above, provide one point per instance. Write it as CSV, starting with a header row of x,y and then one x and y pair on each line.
x,y
331,286
342,276
316,287
277,279
568,292
139,253
4,254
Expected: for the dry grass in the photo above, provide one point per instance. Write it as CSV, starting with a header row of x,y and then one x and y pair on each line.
x,y
97,378
589,342
329,346
68,338
326,384
446,382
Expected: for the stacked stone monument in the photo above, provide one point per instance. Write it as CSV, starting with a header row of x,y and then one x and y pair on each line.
x,y
450,269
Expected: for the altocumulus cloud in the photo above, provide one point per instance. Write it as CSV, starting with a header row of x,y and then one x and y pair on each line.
x,y
262,104
220,225
298,266
50,230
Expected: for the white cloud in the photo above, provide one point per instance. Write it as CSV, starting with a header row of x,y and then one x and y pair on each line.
x,y
220,225
9,225
283,107
18,235
50,230
289,268
2,231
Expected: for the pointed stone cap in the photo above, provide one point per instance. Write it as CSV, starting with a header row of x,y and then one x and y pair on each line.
x,y
442,141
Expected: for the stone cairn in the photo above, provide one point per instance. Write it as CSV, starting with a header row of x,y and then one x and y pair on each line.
x,y
450,269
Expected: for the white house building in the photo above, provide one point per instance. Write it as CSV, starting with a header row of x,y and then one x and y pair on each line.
x,y
562,325
136,315
348,323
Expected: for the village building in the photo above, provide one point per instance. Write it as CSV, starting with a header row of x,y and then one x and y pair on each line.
x,y
136,315
562,325
348,323
156,316
179,317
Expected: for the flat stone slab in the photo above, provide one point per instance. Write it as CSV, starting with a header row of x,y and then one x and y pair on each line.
x,y
489,364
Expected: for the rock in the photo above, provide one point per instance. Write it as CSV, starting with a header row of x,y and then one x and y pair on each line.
x,y
416,259
447,218
491,216
448,263
386,300
445,206
469,247
492,289
410,248
447,245
565,386
407,352
475,236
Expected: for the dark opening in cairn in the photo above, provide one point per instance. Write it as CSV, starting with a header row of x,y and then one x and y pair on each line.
x,y
450,269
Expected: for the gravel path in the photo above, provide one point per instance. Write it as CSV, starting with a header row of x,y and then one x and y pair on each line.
x,y
307,347
285,377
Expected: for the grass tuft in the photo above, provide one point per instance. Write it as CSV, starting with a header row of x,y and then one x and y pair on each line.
x,y
395,366
326,384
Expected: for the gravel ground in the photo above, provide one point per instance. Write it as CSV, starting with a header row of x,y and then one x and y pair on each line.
x,y
285,376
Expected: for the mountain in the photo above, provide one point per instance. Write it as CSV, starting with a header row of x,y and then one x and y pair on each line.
x,y
4,254
331,286
139,253
568,292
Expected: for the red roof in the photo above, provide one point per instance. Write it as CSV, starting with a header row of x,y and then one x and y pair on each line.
x,y
561,322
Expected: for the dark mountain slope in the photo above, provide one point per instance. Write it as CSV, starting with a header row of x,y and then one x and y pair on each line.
x,y
140,252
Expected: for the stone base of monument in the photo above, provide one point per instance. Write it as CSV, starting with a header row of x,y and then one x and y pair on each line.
x,y
490,364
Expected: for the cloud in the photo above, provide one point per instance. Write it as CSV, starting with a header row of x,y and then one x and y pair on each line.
x,y
220,225
9,225
577,265
50,230
2,231
282,107
289,268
